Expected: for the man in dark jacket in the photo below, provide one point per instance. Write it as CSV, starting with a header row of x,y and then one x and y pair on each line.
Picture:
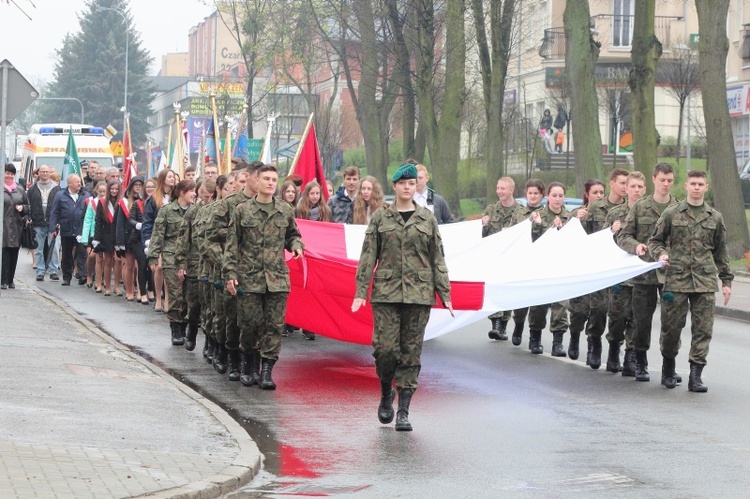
x,y
66,219
41,196
427,198
341,201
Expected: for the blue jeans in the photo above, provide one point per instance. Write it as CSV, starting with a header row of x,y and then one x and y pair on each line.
x,y
42,235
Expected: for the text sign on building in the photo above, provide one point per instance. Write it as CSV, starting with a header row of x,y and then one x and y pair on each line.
x,y
736,100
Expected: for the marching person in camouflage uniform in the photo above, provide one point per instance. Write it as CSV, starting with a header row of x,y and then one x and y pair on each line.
x,y
164,239
621,295
578,307
553,215
691,238
217,233
633,237
534,191
596,220
403,242
341,202
187,258
499,216
256,271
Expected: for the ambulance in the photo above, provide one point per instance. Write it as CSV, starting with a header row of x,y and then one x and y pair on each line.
x,y
46,144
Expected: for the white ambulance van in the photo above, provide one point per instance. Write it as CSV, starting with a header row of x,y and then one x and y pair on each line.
x,y
46,144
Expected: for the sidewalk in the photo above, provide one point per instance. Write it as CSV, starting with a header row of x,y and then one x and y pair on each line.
x,y
739,303
83,416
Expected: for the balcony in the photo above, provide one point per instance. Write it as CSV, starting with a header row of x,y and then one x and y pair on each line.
x,y
553,44
614,32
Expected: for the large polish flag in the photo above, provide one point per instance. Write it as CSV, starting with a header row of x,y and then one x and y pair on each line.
x,y
504,271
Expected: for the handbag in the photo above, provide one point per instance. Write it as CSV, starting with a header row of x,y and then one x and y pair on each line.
x,y
28,237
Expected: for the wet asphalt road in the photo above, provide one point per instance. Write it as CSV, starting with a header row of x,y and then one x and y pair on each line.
x,y
490,419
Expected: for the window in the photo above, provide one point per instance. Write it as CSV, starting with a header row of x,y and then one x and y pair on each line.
x,y
622,23
531,31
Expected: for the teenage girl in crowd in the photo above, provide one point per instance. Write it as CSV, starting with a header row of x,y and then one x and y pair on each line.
x,y
105,234
369,199
165,182
289,193
579,306
129,223
310,206
534,191
94,261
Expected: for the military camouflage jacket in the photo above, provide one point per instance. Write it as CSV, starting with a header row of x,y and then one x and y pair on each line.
x,y
202,220
548,221
637,228
166,234
187,256
596,218
696,246
409,257
500,217
619,212
254,254
216,228
523,213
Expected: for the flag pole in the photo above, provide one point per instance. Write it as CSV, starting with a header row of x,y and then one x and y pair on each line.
x,y
301,144
202,152
217,130
178,142
169,142
227,145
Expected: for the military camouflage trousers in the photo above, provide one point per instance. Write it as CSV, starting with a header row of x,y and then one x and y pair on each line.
x,y
558,317
621,315
218,323
397,339
503,316
598,306
193,300
644,305
261,321
206,310
176,304
579,313
231,329
673,318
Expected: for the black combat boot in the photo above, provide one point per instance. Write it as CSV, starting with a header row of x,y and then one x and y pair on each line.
x,y
535,342
192,334
402,417
385,409
206,345
246,374
557,344
183,331
594,356
573,352
628,364
667,373
234,365
517,333
220,359
695,383
498,329
613,359
266,382
176,334
641,366
209,348
255,366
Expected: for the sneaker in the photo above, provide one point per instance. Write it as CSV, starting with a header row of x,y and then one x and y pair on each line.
x,y
54,277
11,286
40,277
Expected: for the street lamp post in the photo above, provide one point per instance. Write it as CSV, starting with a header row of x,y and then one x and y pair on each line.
x,y
127,44
83,121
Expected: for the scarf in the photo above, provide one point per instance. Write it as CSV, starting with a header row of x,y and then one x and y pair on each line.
x,y
10,187
110,212
124,207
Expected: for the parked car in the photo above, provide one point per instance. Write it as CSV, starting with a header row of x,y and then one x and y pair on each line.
x,y
570,203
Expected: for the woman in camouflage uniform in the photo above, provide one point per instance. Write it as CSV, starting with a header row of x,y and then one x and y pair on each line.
x,y
553,215
164,238
404,242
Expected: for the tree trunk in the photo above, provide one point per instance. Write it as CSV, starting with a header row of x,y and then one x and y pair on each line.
x,y
645,54
725,182
678,150
402,73
581,53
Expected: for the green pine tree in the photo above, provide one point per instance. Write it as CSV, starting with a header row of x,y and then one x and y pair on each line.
x,y
91,67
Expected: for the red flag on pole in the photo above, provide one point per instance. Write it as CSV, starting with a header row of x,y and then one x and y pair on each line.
x,y
309,165
128,166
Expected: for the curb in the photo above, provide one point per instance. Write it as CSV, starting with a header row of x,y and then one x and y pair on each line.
x,y
732,313
245,465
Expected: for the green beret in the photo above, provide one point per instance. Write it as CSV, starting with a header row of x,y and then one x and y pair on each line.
x,y
405,172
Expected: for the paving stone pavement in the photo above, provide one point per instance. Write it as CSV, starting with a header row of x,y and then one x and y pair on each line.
x,y
83,416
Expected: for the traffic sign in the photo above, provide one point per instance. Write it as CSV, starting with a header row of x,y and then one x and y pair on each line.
x,y
20,92
117,148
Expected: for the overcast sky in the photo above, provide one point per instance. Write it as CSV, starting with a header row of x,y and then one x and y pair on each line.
x,y
30,44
